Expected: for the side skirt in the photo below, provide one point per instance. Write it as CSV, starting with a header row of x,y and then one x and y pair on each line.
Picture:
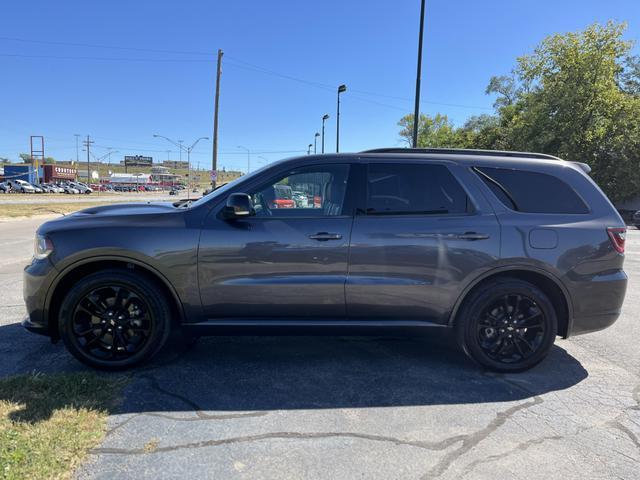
x,y
309,326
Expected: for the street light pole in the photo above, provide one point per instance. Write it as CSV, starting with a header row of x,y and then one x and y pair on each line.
x,y
309,149
416,110
324,117
315,142
248,157
341,89
188,150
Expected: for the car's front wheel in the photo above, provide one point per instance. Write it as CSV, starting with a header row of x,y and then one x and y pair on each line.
x,y
507,325
114,319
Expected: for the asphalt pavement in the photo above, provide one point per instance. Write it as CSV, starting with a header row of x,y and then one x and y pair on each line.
x,y
356,407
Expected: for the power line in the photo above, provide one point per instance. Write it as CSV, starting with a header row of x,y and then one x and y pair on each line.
x,y
112,47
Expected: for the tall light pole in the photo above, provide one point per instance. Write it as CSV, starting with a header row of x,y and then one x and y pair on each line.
x,y
264,159
416,110
341,89
324,118
309,148
188,150
248,157
315,143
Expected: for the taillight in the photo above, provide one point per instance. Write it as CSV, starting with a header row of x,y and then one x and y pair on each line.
x,y
617,236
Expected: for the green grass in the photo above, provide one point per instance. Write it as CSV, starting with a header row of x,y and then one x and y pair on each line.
x,y
48,423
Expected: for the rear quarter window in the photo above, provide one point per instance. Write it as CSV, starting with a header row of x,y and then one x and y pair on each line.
x,y
532,192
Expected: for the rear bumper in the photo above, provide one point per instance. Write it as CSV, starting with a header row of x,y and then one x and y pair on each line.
x,y
597,303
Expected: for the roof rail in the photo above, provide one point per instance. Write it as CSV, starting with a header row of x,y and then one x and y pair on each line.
x,y
464,151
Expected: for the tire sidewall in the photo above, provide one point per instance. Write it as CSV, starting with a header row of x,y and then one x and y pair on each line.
x,y
141,286
475,305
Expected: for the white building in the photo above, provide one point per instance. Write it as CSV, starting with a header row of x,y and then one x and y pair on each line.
x,y
130,178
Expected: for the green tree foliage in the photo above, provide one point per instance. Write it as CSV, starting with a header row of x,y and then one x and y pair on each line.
x,y
577,96
26,158
435,131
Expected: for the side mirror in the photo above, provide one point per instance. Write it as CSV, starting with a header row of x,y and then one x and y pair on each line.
x,y
238,205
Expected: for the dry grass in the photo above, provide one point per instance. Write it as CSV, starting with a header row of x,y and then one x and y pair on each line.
x,y
31,209
48,423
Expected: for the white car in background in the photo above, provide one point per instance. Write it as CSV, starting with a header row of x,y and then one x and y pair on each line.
x,y
81,187
22,186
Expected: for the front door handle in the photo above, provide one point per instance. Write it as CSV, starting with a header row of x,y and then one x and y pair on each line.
x,y
324,236
473,236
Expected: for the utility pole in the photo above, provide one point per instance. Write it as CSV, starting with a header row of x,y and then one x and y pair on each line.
x,y
416,110
77,135
214,162
87,143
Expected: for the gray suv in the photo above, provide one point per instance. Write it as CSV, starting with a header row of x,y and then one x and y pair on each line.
x,y
507,250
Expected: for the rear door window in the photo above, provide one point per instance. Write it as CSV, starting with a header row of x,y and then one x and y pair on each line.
x,y
414,189
531,192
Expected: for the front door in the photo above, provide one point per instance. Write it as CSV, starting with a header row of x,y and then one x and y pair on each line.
x,y
290,259
416,243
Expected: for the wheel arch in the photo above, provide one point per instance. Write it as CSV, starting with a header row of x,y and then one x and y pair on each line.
x,y
85,267
548,283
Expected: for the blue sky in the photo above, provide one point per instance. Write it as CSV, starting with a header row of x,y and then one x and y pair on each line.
x,y
122,96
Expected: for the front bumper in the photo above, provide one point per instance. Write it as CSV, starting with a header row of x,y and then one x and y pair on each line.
x,y
37,278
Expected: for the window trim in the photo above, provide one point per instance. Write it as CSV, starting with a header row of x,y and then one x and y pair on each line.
x,y
363,211
482,175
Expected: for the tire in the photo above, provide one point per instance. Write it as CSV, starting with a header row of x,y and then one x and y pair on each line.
x,y
114,319
507,325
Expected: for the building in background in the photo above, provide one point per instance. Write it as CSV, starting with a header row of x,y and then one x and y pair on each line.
x,y
57,173
130,178
20,172
163,176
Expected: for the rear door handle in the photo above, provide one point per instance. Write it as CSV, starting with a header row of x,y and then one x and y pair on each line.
x,y
472,236
324,236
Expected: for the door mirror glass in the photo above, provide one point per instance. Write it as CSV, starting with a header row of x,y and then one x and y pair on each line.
x,y
238,205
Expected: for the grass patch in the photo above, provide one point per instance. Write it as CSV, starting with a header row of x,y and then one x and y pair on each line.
x,y
48,423
31,209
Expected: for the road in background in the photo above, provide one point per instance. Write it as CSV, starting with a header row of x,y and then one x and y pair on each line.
x,y
356,407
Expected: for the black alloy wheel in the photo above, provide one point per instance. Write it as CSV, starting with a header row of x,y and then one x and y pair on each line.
x,y
114,319
507,325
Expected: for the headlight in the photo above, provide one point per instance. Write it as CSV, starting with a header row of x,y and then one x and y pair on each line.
x,y
42,247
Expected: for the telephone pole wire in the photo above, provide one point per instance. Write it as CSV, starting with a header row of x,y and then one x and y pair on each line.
x,y
214,163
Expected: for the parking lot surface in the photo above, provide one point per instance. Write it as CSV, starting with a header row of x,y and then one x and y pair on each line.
x,y
356,407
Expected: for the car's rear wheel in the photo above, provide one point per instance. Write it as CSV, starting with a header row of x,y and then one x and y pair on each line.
x,y
114,319
507,325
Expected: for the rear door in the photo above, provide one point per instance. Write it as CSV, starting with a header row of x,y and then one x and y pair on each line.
x,y
418,240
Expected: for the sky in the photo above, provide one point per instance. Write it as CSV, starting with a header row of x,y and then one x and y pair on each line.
x,y
122,71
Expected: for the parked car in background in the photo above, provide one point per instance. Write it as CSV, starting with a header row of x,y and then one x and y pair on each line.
x,y
636,219
81,187
67,188
37,188
21,186
4,187
506,250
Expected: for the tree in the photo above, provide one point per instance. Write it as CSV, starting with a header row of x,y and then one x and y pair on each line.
x,y
575,108
435,131
25,157
576,96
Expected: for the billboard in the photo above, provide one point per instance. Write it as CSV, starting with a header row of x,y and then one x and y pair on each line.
x,y
137,161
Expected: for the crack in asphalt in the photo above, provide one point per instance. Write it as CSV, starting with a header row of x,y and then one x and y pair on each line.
x,y
520,447
632,436
436,446
471,440
197,409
